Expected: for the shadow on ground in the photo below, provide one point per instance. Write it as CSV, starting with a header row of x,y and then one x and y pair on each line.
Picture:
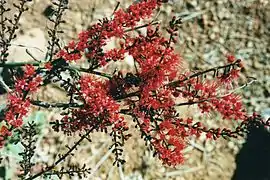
x,y
253,160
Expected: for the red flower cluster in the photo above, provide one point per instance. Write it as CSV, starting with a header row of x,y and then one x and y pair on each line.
x,y
92,41
169,143
157,65
99,111
230,107
18,102
150,95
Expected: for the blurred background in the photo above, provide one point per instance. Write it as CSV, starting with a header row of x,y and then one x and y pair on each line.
x,y
210,30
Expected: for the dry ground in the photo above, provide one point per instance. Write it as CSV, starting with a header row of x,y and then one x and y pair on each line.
x,y
241,27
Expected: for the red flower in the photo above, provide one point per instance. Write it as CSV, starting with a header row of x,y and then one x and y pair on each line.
x,y
209,135
29,71
71,45
4,131
230,58
48,66
115,54
149,95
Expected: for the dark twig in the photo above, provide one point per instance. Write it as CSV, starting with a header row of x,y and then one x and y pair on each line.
x,y
202,73
63,157
28,137
61,7
56,105
5,42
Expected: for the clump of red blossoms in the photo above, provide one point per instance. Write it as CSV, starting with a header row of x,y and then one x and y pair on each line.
x,y
18,103
150,95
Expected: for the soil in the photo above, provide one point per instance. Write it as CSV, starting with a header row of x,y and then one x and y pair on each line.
x,y
210,30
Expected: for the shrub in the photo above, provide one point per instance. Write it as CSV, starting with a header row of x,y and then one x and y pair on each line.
x,y
98,100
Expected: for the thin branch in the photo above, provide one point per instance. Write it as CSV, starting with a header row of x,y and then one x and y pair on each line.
x,y
12,30
91,71
116,7
215,70
18,64
4,85
55,105
101,161
67,105
62,158
121,174
217,97
61,7
174,83
142,26
34,63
